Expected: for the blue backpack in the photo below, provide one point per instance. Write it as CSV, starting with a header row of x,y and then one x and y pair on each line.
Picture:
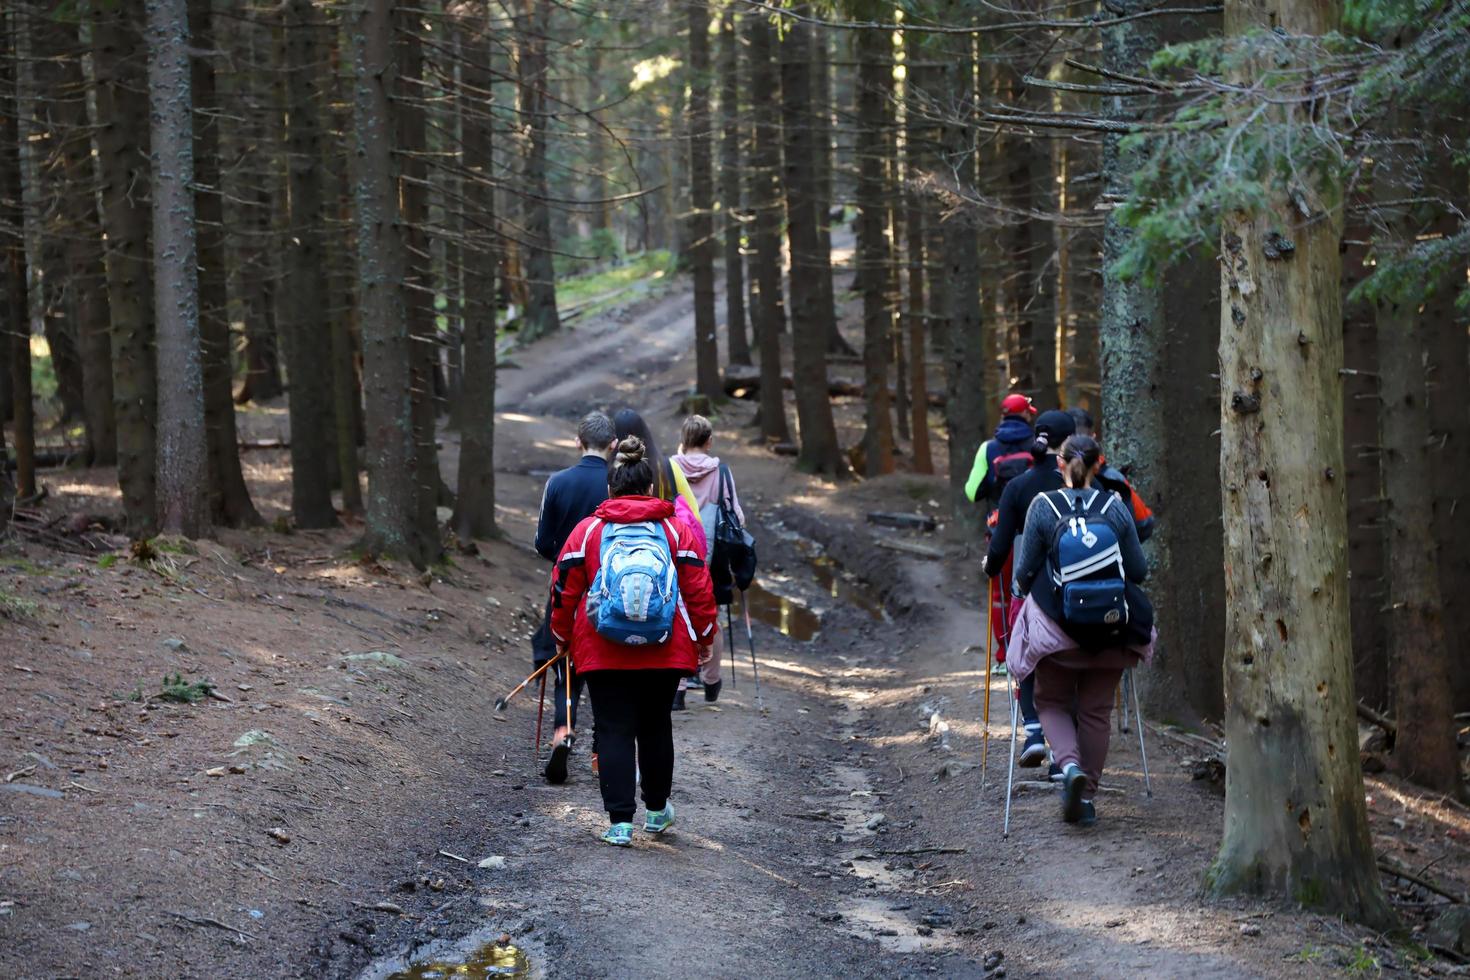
x,y
634,597
1086,564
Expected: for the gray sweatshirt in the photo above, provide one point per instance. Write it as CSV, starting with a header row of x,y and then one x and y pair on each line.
x,y
1041,521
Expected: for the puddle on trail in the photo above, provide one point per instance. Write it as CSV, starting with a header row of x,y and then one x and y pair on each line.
x,y
490,960
792,618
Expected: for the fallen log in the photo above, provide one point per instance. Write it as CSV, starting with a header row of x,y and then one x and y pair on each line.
x,y
1382,721
910,548
922,522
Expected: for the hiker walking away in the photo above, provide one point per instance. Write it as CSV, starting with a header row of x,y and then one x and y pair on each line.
x,y
570,496
631,600
1052,429
1084,620
998,461
669,484
1111,478
711,482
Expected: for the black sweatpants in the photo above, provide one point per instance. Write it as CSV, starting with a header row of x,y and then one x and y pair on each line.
x,y
634,729
543,648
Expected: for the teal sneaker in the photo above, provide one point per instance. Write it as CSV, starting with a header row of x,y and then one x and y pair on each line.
x,y
618,835
658,821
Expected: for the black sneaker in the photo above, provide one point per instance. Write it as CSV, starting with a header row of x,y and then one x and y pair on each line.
x,y
712,691
1074,784
556,766
1033,753
1089,815
678,701
1054,772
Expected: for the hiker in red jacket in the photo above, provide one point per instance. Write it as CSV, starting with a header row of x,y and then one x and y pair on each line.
x,y
596,613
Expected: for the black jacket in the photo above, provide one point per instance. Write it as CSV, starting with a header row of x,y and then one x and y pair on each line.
x,y
1011,514
571,495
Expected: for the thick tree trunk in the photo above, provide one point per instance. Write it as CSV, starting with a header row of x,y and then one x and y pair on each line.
x,y
875,83
121,128
821,117
1296,827
392,522
1133,333
540,316
301,303
737,341
474,515
346,387
183,458
765,202
17,213
810,311
229,499
702,206
1425,749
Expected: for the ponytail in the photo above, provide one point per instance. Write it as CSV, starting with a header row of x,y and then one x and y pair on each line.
x,y
1040,447
1080,455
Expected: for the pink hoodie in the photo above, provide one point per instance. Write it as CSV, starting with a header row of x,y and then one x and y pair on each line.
x,y
703,473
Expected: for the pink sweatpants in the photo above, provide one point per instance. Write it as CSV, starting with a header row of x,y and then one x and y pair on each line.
x,y
710,672
1083,741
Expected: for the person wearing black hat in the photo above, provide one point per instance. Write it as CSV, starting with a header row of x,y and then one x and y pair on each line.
x,y
1052,429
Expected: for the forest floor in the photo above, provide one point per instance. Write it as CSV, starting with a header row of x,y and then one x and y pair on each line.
x,y
328,812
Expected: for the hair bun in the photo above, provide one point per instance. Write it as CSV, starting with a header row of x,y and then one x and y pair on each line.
x,y
630,451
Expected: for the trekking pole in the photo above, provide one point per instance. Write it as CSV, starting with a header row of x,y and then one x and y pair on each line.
x,y
500,703
985,731
571,729
730,636
1148,788
540,713
1011,768
754,667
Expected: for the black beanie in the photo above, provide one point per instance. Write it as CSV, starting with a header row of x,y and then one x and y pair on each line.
x,y
1057,426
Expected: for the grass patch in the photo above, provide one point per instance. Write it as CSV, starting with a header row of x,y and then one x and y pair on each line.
x,y
175,688
655,265
105,562
13,606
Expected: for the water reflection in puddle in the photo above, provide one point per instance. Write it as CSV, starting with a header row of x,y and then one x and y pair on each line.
x,y
787,616
791,618
490,960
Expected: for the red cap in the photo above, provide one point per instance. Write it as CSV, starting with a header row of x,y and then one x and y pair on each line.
x,y
1017,404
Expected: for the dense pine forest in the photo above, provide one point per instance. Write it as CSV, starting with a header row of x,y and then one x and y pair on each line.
x,y
1234,233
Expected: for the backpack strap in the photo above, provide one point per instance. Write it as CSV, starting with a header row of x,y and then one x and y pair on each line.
x,y
1053,504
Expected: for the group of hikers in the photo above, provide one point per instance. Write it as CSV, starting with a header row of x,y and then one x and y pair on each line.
x,y
648,547
1065,563
632,612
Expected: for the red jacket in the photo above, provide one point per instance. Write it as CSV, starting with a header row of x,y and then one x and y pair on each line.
x,y
577,567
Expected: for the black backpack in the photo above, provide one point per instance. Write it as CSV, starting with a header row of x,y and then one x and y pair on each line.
x,y
732,558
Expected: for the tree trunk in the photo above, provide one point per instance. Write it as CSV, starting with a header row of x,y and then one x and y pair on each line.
x,y
821,121
183,458
964,340
19,214
85,271
914,228
810,311
392,522
301,303
702,207
1296,827
540,316
1133,334
229,499
346,388
765,202
875,82
1425,749
474,515
738,344
121,128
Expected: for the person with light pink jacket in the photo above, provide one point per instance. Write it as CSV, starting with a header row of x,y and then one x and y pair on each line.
x,y
702,471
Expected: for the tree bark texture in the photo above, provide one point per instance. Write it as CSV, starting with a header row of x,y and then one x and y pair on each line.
x,y
765,202
301,303
229,499
533,71
474,515
737,340
810,311
916,316
1424,749
121,132
1133,330
702,206
1296,827
875,83
183,459
15,124
392,526
346,388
